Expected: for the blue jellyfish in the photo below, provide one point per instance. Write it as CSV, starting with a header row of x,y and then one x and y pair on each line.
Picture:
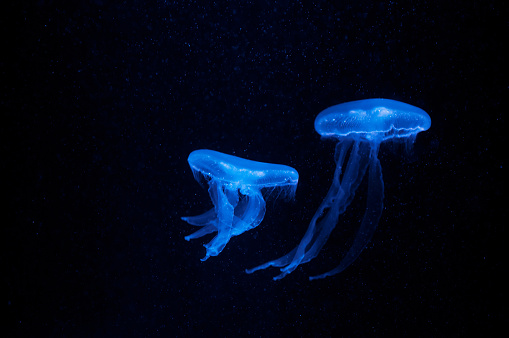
x,y
359,127
235,186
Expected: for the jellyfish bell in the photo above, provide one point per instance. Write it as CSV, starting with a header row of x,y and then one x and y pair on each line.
x,y
235,188
359,127
372,119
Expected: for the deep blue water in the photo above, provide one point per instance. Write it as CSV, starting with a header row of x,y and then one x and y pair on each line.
x,y
103,103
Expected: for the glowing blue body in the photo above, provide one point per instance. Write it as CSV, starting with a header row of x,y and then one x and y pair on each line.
x,y
235,186
381,119
360,127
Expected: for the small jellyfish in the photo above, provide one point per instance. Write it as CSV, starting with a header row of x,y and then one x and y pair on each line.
x,y
235,186
359,127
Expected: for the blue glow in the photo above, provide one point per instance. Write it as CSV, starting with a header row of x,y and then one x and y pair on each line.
x,y
359,127
372,118
235,186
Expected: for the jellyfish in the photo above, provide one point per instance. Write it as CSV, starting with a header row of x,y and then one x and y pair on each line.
x,y
359,128
235,188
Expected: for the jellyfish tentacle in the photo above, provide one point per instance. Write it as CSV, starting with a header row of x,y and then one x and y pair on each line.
x,y
203,219
280,262
229,217
354,173
202,232
291,260
225,199
207,220
249,211
370,219
325,210
334,204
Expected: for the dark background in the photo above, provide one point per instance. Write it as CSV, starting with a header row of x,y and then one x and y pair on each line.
x,y
101,105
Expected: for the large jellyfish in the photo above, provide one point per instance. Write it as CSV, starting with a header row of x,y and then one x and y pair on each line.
x,y
359,127
235,186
